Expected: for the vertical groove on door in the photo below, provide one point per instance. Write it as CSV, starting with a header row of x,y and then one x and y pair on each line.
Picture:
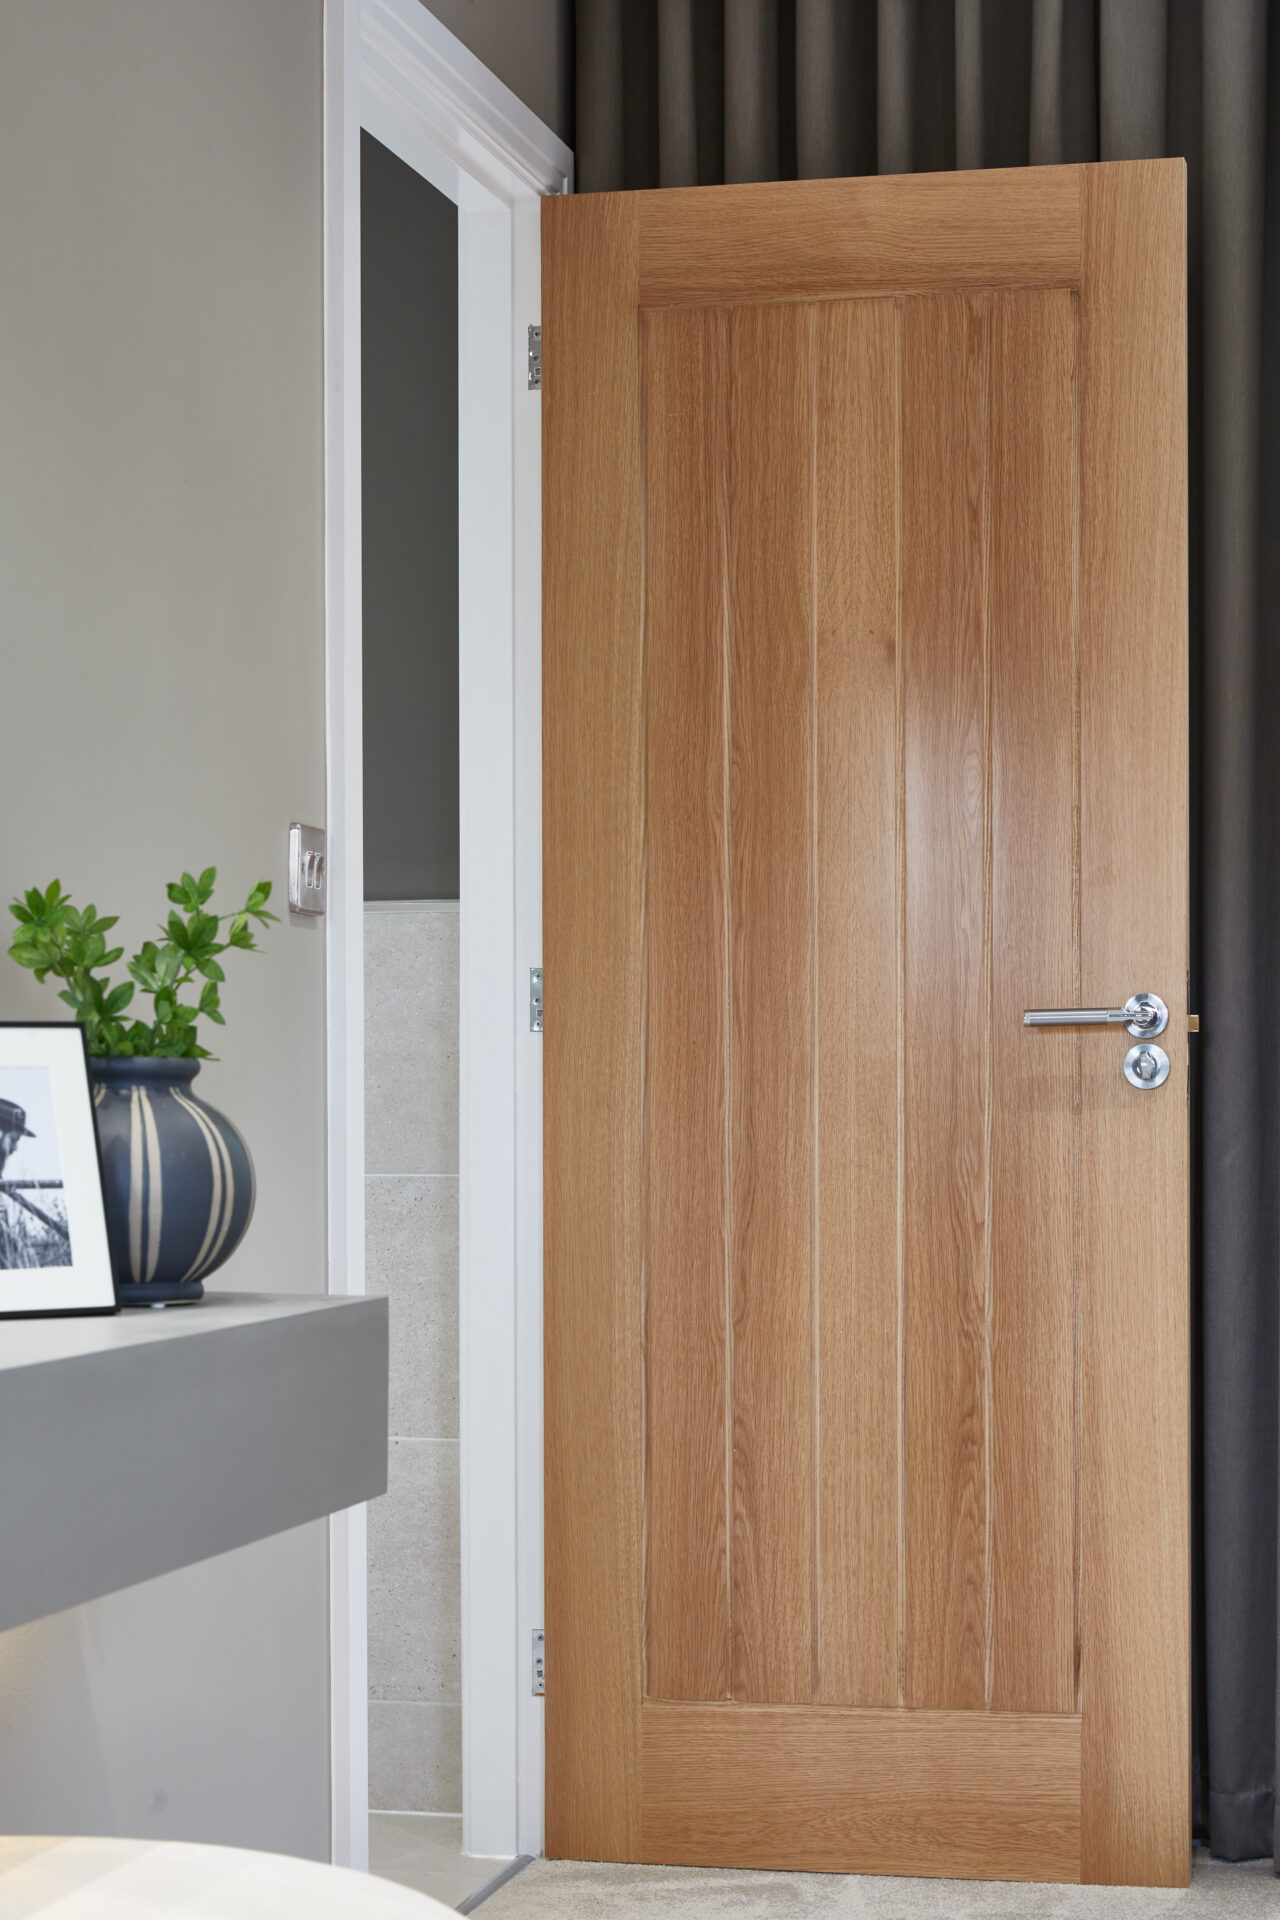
x,y
857,1001
900,997
687,1583
770,518
1033,1150
815,1137
1077,1000
943,482
726,762
988,936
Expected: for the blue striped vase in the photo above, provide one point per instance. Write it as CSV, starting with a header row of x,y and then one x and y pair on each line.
x,y
177,1176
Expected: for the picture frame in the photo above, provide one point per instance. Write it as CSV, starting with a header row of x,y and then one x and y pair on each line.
x,y
54,1255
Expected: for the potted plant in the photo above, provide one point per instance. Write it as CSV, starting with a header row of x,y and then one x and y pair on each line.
x,y
177,1175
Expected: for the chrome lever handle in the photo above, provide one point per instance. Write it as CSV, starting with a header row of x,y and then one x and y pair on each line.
x,y
1144,1014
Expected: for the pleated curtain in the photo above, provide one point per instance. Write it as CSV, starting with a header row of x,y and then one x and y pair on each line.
x,y
696,92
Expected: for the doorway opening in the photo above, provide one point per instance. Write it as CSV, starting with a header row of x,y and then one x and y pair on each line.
x,y
441,1631
409,479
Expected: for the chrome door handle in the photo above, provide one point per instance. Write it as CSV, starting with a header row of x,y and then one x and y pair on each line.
x,y
1144,1014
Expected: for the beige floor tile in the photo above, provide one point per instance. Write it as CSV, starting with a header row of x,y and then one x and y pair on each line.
x,y
570,1890
424,1851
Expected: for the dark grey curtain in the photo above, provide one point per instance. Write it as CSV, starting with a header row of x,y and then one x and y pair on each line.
x,y
693,92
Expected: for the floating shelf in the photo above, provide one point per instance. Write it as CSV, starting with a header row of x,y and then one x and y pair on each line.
x,y
134,1444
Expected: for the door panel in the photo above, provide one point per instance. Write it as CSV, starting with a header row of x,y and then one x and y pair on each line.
x,y
818,238
866,1548
1035,1121
856,917
961,1794
686,1081
770,698
943,515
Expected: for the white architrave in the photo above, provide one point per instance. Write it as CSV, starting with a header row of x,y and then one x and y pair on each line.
x,y
391,68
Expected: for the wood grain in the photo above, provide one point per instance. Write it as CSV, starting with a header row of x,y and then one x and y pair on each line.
x,y
1135,1591
685,354
771,893
986,1796
728,974
1034,964
944,368
834,238
857,1148
593,943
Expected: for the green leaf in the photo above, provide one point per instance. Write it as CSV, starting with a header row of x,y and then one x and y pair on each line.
x,y
210,969
207,881
119,997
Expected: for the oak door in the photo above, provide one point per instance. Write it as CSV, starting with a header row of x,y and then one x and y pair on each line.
x,y
866,1303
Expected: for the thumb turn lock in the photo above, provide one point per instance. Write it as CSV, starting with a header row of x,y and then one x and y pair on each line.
x,y
1143,1015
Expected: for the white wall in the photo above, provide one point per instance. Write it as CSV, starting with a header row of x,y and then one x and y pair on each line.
x,y
161,707
528,44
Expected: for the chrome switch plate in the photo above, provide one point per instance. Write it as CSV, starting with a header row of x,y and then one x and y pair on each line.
x,y
308,884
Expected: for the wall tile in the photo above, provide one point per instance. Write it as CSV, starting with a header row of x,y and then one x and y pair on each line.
x,y
411,1249
411,1066
415,1757
415,1600
411,1040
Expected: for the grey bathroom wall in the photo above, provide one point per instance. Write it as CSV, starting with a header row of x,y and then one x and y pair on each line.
x,y
411,1214
409,483
161,685
528,44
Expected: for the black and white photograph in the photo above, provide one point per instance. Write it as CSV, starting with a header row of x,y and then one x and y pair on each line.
x,y
54,1254
34,1231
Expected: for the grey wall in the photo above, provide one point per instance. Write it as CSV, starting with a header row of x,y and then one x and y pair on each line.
x,y
528,44
409,480
161,636
411,1243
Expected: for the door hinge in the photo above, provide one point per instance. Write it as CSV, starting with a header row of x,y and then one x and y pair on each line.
x,y
535,359
539,1661
535,999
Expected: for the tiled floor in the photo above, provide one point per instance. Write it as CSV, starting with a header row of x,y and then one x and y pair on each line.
x,y
568,1890
424,1851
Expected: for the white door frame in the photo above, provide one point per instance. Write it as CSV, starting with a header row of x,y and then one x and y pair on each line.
x,y
392,68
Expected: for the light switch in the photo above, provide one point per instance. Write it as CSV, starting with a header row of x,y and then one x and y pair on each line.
x,y
307,886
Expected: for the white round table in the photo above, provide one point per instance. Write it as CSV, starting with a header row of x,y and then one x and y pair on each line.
x,y
83,1879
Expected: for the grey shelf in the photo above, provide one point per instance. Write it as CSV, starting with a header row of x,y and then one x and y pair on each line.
x,y
139,1443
